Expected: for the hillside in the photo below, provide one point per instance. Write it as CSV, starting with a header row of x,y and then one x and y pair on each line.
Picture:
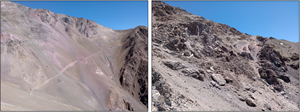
x,y
54,62
201,65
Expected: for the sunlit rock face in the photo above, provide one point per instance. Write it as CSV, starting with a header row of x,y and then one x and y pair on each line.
x,y
56,62
201,65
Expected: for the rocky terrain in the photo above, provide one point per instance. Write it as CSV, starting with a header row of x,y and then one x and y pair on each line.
x,y
54,62
201,65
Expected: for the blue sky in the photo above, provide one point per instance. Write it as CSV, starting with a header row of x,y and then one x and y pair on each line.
x,y
278,19
117,15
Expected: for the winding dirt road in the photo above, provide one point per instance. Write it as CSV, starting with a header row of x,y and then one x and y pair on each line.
x,y
63,70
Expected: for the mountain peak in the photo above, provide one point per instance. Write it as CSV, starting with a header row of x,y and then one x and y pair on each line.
x,y
160,9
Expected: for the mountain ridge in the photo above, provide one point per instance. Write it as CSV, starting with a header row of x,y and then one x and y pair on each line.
x,y
161,3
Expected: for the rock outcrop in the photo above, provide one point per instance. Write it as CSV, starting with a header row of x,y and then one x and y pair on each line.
x,y
133,75
224,69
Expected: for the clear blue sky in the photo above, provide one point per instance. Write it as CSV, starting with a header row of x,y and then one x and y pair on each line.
x,y
117,15
278,19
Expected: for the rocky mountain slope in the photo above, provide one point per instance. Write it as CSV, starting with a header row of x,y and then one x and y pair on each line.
x,y
56,62
201,65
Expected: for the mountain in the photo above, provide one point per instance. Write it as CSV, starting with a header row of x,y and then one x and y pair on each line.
x,y
201,65
54,62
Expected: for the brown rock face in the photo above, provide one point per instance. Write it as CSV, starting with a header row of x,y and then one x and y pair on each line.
x,y
54,62
133,74
222,66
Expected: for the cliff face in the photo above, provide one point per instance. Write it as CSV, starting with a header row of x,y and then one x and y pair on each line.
x,y
133,75
201,65
53,62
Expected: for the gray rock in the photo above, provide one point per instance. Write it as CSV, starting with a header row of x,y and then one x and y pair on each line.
x,y
168,102
219,79
154,108
250,102
208,71
211,68
187,53
241,98
228,80
174,65
251,96
247,86
213,83
197,74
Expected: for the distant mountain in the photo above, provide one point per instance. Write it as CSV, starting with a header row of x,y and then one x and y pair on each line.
x,y
54,62
201,65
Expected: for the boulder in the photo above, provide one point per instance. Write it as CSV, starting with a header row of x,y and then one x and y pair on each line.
x,y
197,74
260,38
211,68
285,78
174,65
246,55
209,71
250,102
269,54
241,98
154,108
295,65
155,95
228,80
219,79
247,86
295,57
213,83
